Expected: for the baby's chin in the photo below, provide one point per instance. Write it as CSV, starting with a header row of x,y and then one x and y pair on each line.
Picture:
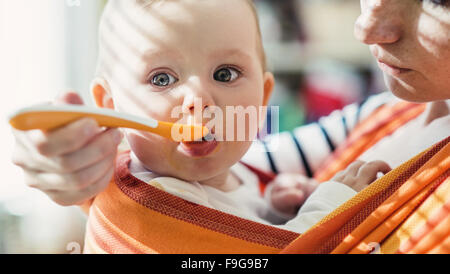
x,y
170,159
199,177
191,172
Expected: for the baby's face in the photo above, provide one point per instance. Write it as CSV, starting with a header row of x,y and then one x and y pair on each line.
x,y
188,55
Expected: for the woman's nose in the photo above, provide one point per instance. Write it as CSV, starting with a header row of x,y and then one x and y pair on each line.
x,y
380,22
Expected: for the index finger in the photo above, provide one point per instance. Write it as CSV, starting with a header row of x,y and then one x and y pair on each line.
x,y
70,97
66,139
371,169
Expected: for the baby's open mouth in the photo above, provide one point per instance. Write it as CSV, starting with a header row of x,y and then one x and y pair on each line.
x,y
200,148
208,138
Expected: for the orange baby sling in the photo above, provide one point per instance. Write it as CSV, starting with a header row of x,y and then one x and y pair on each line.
x,y
407,210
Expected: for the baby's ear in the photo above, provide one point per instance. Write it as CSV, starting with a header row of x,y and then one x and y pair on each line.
x,y
102,93
269,84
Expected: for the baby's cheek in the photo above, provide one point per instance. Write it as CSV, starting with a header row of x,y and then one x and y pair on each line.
x,y
152,150
235,151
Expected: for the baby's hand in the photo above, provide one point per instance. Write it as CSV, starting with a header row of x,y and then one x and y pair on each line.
x,y
70,164
289,192
360,174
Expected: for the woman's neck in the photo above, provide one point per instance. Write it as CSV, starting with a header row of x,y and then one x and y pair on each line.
x,y
436,110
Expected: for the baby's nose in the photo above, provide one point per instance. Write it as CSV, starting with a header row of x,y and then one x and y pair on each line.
x,y
195,108
192,104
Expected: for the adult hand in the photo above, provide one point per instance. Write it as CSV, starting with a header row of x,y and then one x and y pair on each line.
x,y
71,164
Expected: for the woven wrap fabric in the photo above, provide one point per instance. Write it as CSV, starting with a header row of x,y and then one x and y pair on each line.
x,y
134,217
404,207
405,211
389,212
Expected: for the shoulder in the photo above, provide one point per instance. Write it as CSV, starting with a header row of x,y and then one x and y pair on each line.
x,y
246,175
252,178
365,108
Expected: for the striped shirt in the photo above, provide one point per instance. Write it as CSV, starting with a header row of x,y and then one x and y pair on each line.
x,y
304,149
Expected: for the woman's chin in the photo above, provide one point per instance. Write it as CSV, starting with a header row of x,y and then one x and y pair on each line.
x,y
408,92
415,91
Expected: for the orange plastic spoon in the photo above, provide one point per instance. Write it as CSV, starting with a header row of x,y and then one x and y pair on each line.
x,y
50,117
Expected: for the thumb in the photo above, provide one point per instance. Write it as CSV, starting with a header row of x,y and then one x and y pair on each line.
x,y
382,166
370,170
69,98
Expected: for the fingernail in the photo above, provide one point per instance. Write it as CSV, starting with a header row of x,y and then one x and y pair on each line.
x,y
118,136
90,128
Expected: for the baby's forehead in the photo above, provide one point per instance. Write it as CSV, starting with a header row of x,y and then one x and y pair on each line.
x,y
168,11
135,22
152,6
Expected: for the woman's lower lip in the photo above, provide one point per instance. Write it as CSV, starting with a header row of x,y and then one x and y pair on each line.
x,y
198,149
395,71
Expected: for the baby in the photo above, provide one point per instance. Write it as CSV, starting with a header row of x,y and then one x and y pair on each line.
x,y
195,56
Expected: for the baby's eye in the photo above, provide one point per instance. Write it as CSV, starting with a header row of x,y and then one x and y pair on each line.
x,y
163,80
438,2
226,75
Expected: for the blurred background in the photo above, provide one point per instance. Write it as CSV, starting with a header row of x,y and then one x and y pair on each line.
x,y
50,46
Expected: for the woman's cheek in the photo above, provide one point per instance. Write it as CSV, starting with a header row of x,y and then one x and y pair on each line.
x,y
434,36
